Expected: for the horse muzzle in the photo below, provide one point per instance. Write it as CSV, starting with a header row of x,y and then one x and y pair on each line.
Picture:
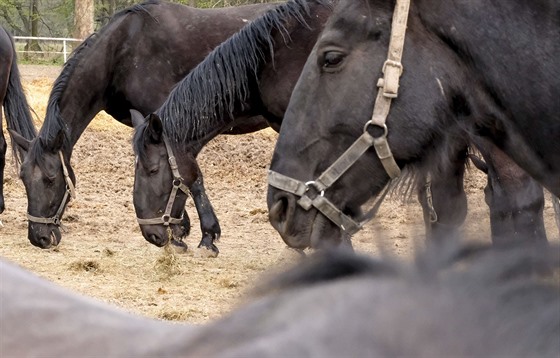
x,y
44,236
299,228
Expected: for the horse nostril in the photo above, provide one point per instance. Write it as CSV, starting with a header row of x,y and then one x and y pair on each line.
x,y
44,242
280,212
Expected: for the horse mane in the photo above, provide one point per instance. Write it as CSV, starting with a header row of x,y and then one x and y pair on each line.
x,y
200,101
54,123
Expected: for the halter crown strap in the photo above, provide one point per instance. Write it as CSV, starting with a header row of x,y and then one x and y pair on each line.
x,y
389,86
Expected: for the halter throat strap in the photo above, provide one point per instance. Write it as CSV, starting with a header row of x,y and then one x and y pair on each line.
x,y
178,184
70,192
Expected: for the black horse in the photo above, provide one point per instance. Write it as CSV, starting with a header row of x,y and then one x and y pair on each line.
x,y
471,302
132,62
16,109
471,69
250,74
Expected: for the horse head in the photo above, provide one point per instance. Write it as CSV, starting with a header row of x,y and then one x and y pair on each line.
x,y
324,171
49,182
161,182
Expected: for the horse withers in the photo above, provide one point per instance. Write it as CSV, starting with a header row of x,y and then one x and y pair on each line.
x,y
461,74
465,302
100,76
16,108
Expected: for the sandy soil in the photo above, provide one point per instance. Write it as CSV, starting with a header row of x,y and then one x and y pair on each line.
x,y
103,254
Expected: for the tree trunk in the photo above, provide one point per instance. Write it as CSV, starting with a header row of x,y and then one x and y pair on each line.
x,y
32,48
83,18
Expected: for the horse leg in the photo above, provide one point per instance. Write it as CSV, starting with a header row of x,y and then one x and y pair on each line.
x,y
556,206
515,200
209,224
443,200
3,148
3,144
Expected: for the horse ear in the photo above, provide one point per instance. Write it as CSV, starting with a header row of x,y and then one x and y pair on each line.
x,y
22,142
479,163
58,141
55,144
155,127
137,118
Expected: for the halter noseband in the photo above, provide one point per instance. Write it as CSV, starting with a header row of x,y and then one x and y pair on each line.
x,y
178,184
70,191
388,89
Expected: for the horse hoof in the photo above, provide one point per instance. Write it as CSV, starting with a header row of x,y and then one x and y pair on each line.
x,y
205,251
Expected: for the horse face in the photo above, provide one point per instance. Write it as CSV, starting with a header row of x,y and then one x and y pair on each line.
x,y
329,108
43,177
153,183
307,145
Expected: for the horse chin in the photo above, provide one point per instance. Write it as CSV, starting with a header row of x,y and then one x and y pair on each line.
x,y
320,232
324,234
44,236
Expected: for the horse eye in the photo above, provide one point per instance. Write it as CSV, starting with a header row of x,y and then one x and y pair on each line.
x,y
331,60
153,171
47,180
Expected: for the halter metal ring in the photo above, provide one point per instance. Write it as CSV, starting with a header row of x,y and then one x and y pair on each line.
x,y
313,184
166,218
382,126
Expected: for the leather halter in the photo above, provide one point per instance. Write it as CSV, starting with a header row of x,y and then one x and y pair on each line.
x,y
388,89
178,184
70,191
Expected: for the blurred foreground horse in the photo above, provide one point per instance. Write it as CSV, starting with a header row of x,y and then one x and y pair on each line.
x,y
468,302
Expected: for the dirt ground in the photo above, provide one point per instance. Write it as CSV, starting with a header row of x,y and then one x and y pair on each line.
x,y
103,254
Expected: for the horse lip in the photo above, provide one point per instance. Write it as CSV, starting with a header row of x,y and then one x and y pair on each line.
x,y
53,239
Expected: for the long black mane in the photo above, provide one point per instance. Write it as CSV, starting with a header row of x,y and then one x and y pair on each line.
x,y
201,101
54,123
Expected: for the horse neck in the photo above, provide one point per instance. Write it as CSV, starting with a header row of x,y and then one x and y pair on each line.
x,y
259,72
79,105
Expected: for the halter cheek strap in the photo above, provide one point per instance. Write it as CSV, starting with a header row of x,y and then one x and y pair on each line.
x,y
70,192
387,90
178,184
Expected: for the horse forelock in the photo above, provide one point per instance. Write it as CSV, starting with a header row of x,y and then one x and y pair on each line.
x,y
206,98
